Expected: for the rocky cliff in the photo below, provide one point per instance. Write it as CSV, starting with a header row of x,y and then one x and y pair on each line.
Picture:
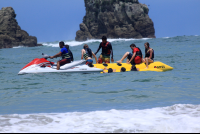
x,y
11,35
115,19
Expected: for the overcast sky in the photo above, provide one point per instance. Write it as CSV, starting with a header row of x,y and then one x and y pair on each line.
x,y
56,20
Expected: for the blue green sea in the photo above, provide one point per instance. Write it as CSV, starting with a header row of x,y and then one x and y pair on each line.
x,y
125,102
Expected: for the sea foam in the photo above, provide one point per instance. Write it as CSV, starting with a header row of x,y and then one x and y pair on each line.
x,y
180,118
77,43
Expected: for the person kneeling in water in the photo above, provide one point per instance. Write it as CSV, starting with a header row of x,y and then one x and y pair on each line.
x,y
123,69
87,54
110,70
65,55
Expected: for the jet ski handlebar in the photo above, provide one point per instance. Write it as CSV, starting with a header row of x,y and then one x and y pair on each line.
x,y
45,56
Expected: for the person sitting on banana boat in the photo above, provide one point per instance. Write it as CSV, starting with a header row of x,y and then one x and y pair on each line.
x,y
149,54
133,58
87,54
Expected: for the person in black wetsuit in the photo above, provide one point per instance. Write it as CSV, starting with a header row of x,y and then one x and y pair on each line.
x,y
149,54
106,51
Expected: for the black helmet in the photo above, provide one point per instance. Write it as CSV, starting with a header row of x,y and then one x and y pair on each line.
x,y
123,69
110,70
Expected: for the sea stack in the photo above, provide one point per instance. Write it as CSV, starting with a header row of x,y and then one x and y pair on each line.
x,y
115,19
11,34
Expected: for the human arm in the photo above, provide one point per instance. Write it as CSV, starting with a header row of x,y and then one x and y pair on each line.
x,y
141,53
95,57
132,57
105,70
112,60
151,51
98,49
57,55
82,52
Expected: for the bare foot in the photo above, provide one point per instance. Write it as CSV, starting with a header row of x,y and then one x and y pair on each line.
x,y
105,68
146,68
119,61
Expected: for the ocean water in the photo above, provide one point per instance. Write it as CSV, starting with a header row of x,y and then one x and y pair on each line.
x,y
128,102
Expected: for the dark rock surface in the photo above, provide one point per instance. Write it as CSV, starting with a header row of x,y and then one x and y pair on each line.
x,y
11,35
115,19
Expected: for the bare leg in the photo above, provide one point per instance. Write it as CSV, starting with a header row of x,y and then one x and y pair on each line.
x,y
147,62
127,60
143,60
125,55
58,65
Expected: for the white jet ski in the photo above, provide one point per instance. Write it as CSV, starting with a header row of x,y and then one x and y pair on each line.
x,y
42,65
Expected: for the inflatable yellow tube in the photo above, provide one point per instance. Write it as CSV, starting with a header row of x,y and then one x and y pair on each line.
x,y
155,66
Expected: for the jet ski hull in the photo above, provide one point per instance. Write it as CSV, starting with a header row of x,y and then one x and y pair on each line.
x,y
44,66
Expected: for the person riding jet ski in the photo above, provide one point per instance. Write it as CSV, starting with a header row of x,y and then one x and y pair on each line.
x,y
64,53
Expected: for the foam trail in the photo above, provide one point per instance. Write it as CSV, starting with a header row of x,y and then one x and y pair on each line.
x,y
179,118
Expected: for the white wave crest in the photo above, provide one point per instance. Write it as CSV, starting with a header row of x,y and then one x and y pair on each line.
x,y
77,43
19,47
180,118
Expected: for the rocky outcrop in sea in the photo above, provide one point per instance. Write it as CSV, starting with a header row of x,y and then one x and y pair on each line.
x,y
115,19
11,34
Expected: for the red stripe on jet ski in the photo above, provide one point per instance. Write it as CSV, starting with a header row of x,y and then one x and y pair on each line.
x,y
37,61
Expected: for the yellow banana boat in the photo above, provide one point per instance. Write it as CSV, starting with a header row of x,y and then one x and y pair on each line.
x,y
155,66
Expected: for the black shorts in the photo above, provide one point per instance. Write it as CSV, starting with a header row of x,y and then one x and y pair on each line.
x,y
136,60
64,61
129,57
